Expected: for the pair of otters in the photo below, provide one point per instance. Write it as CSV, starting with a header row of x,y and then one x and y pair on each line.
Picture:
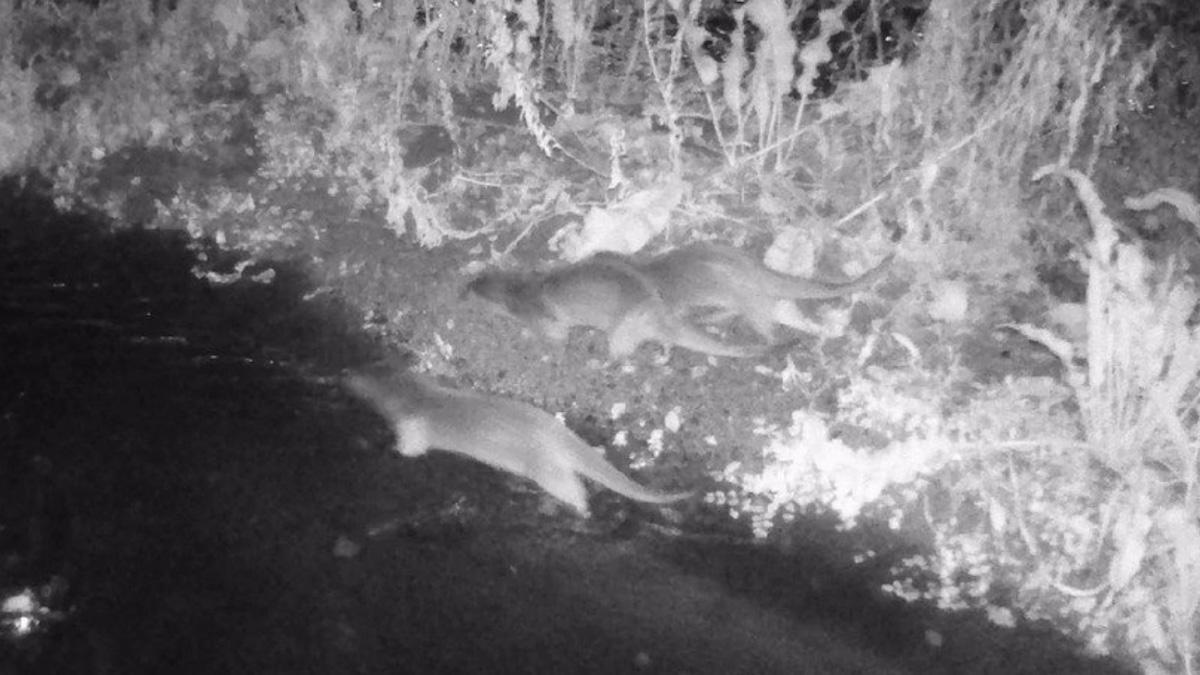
x,y
633,302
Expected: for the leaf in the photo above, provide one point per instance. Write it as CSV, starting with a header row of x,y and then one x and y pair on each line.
x,y
1130,533
1184,203
1058,346
626,226
794,250
998,515
673,421
1184,536
951,300
1153,630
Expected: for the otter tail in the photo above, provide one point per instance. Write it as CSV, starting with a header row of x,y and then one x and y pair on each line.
x,y
690,337
796,288
590,463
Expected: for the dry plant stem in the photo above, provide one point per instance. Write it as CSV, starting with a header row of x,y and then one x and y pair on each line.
x,y
1078,592
666,88
771,130
676,135
1019,511
631,60
400,96
1031,444
475,181
791,138
732,79
854,213
581,162
543,44
520,237
1078,106
762,151
729,152
658,78
1108,113
937,159
1101,376
928,515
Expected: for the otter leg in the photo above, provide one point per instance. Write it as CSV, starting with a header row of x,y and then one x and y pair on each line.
x,y
412,437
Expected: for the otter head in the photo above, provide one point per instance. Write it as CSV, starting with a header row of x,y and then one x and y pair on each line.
x,y
516,294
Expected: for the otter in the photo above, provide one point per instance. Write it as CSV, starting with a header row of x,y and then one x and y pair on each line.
x,y
607,292
727,280
502,433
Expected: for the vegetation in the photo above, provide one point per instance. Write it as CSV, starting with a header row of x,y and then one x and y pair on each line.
x,y
961,134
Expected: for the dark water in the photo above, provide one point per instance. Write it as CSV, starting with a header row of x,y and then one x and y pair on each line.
x,y
184,489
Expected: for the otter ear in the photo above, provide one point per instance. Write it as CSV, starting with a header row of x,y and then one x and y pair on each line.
x,y
486,286
524,299
499,288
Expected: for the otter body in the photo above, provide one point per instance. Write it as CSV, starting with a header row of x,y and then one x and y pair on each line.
x,y
508,435
606,292
726,279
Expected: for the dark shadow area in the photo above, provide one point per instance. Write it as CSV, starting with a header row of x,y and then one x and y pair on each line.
x,y
811,583
184,488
